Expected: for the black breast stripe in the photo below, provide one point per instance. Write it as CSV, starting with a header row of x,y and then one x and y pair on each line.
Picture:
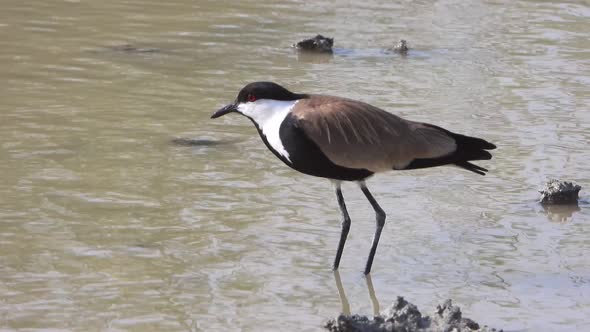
x,y
306,156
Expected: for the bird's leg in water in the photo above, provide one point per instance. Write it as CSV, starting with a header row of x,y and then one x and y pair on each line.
x,y
379,221
345,224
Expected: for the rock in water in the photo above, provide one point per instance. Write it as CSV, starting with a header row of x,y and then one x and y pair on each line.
x,y
318,43
401,47
559,192
403,316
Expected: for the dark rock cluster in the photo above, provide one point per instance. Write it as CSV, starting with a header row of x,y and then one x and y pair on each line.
x,y
318,43
559,192
403,316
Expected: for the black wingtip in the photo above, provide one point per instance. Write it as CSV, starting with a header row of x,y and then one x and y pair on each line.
x,y
489,146
472,167
468,148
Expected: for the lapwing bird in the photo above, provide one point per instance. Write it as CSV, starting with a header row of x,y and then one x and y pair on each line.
x,y
347,140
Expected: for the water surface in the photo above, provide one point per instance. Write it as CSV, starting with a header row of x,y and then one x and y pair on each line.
x,y
107,224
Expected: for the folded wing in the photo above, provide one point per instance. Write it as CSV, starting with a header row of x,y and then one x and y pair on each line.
x,y
357,135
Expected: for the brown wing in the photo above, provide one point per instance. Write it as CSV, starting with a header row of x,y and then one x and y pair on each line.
x,y
357,135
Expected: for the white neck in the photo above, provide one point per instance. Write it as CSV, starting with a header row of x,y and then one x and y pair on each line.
x,y
269,115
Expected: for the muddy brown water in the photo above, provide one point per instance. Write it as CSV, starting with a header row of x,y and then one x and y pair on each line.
x,y
107,225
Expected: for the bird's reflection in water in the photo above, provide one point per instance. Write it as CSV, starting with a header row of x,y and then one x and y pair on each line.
x,y
560,213
344,301
372,296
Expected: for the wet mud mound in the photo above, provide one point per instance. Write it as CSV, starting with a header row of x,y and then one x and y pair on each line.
x,y
403,316
559,192
318,44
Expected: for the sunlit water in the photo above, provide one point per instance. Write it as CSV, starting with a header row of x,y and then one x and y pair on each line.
x,y
106,223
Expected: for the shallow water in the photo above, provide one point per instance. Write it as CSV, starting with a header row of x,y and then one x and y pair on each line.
x,y
107,224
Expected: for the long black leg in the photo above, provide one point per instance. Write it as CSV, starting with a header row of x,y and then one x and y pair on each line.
x,y
379,221
345,225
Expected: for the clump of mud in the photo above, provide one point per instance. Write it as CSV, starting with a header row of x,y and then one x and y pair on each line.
x,y
318,43
401,47
559,192
404,316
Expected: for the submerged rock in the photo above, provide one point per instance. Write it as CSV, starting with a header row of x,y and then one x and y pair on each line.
x,y
180,141
401,47
128,48
559,192
404,316
318,43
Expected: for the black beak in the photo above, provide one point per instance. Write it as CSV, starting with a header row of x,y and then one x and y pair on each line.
x,y
224,110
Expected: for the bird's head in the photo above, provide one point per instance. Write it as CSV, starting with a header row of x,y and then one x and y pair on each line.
x,y
259,99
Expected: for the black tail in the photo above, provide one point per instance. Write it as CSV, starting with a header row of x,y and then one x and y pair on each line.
x,y
468,148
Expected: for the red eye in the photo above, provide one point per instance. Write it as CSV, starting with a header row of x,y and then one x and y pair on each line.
x,y
251,98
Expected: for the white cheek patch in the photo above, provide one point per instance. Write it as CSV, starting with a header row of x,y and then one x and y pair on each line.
x,y
269,115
